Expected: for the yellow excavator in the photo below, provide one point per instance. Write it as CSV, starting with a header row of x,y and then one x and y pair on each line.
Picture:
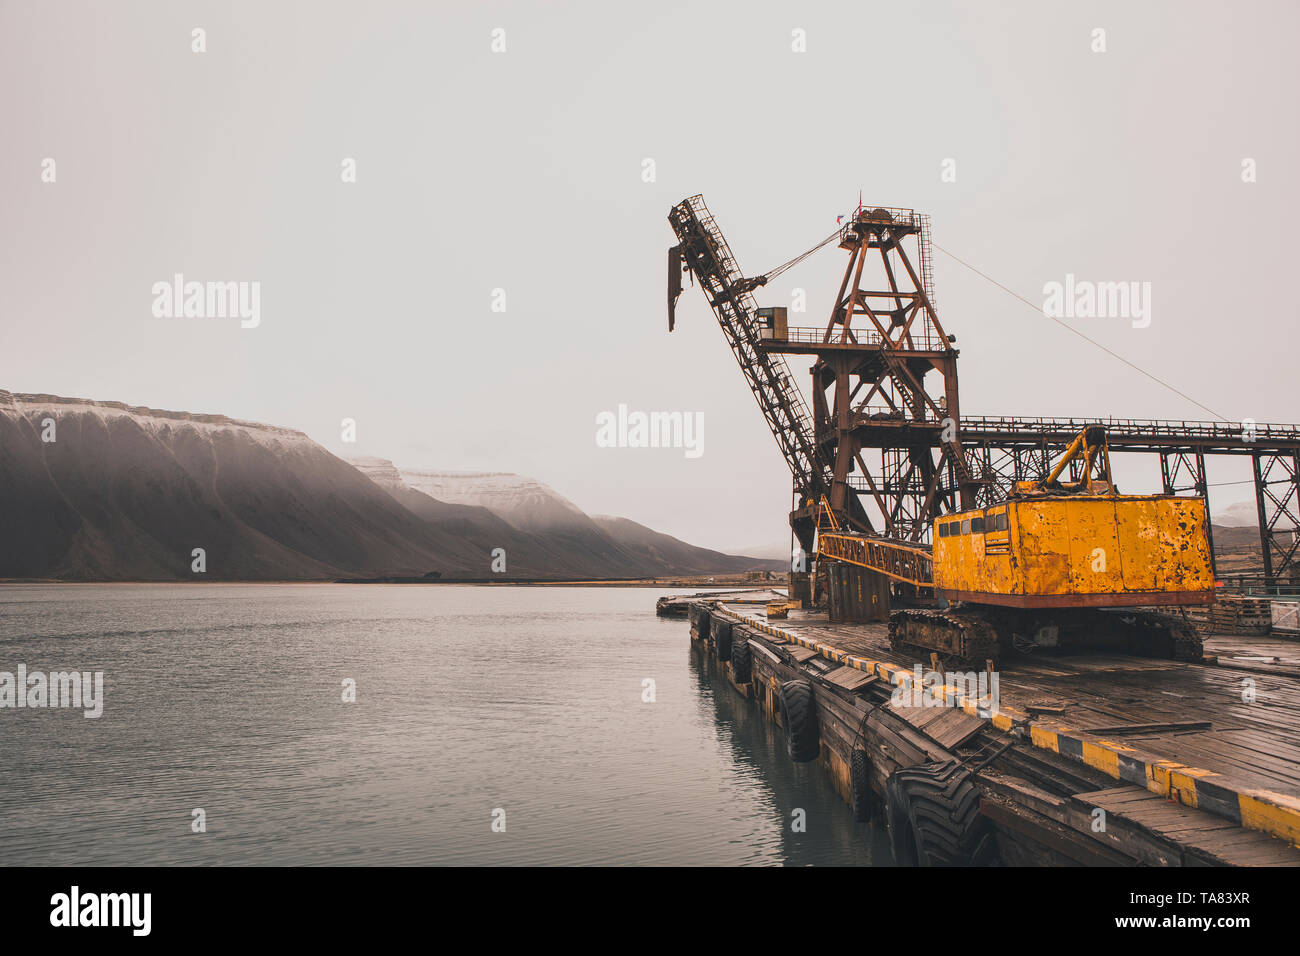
x,y
1061,564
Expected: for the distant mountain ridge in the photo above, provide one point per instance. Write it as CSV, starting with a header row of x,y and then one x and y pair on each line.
x,y
543,526
95,490
524,502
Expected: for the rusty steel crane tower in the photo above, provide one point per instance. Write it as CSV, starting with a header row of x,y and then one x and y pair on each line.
x,y
882,441
885,383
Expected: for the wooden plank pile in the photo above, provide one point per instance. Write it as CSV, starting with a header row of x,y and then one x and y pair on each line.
x,y
1241,615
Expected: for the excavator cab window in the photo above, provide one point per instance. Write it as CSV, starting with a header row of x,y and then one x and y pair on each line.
x,y
977,525
943,529
965,526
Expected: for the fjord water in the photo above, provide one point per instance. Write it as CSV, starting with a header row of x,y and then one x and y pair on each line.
x,y
469,700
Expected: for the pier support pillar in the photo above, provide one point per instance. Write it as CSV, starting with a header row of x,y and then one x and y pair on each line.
x,y
800,588
856,595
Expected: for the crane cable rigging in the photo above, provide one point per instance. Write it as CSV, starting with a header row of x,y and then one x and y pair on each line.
x,y
769,275
1091,341
790,264
764,278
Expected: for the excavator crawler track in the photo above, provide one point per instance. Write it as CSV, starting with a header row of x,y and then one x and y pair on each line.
x,y
1167,635
972,635
963,635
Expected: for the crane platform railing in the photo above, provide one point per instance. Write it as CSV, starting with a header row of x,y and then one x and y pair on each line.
x,y
863,337
900,560
1245,432
914,222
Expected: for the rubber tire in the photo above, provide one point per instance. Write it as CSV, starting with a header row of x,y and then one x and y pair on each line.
x,y
861,797
702,625
742,660
722,638
799,718
934,819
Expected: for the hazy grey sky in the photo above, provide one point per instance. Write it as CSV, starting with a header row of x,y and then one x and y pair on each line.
x,y
522,171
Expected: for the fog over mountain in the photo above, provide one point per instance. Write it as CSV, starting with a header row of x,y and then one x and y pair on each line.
x,y
93,490
545,529
1243,514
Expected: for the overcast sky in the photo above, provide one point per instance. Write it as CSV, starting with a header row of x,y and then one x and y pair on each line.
x,y
522,170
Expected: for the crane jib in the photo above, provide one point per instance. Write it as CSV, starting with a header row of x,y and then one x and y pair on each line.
x,y
703,251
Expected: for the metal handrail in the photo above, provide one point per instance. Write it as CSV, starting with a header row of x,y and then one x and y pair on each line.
x,y
1131,426
901,560
867,337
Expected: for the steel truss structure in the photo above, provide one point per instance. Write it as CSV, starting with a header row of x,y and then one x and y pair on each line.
x,y
886,441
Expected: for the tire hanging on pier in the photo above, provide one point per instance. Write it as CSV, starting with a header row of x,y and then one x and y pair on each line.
x,y
722,638
861,796
742,659
799,718
933,814
701,621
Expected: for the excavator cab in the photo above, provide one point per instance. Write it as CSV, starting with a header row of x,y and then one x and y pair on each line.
x,y
1077,543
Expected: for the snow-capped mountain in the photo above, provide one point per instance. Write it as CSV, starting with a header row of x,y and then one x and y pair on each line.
x,y
548,529
105,491
524,502
94,490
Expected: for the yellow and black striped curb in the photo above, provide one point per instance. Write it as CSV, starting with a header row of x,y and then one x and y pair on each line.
x,y
1277,814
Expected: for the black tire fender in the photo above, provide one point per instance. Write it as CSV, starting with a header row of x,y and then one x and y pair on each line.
x,y
722,638
933,815
742,659
799,718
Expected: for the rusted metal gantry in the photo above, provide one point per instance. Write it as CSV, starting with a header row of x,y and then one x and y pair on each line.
x,y
872,361
886,441
1002,450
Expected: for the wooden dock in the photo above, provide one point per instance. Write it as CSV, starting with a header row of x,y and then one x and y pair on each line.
x,y
1089,759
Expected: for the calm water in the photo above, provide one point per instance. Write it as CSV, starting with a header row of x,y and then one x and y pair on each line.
x,y
469,699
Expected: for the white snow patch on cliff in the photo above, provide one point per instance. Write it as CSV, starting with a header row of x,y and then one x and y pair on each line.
x,y
524,502
156,421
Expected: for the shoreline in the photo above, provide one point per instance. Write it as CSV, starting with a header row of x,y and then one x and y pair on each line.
x,y
478,582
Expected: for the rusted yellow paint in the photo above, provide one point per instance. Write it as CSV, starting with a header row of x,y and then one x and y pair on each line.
x,y
1107,761
1274,813
1042,737
1175,780
1117,747
839,771
1077,545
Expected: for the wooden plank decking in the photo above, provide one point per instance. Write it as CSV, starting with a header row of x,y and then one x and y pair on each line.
x,y
1224,739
